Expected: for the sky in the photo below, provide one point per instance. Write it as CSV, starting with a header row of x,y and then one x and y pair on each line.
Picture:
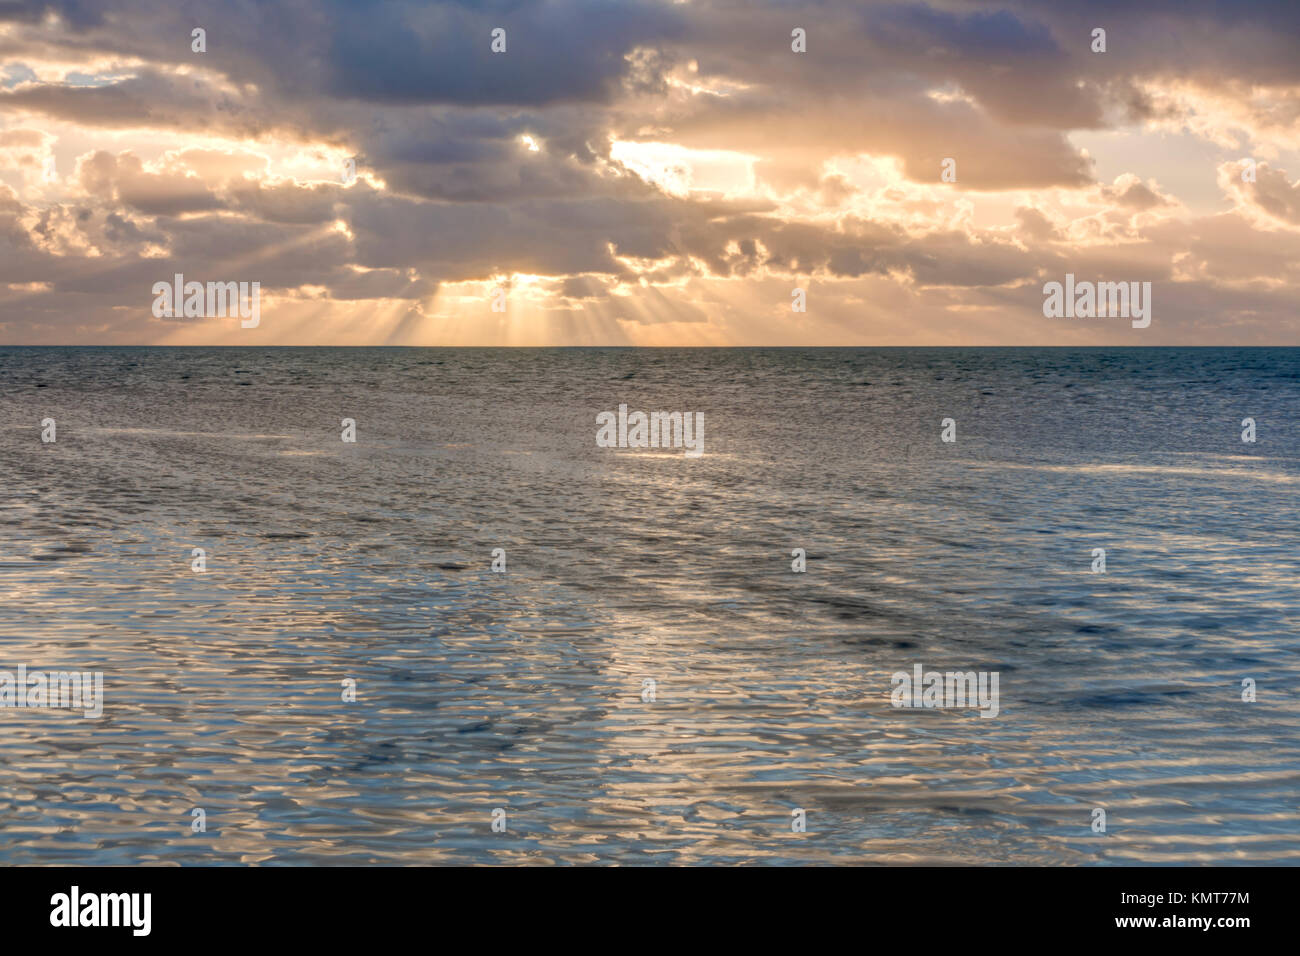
x,y
649,173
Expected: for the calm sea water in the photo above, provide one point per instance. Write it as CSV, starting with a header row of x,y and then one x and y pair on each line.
x,y
523,690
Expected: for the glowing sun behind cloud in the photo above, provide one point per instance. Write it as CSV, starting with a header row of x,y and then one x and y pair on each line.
x,y
658,174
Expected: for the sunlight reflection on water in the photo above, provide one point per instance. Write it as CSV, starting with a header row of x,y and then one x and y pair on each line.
x,y
523,690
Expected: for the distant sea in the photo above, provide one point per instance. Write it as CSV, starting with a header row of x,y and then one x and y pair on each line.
x,y
527,691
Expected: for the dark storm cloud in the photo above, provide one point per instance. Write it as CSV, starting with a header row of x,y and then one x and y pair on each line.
x,y
441,53
78,13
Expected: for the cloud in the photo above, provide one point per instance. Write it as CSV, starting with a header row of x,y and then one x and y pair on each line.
x,y
1271,194
1129,192
654,168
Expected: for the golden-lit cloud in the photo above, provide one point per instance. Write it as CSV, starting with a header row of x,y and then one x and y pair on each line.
x,y
647,173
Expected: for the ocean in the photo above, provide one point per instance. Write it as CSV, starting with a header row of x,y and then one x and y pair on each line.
x,y
649,681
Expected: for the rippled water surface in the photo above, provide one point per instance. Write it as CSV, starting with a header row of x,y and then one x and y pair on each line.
x,y
523,690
